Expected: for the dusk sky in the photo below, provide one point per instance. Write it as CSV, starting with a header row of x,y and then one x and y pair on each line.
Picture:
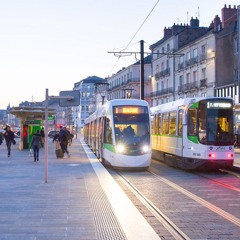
x,y
56,43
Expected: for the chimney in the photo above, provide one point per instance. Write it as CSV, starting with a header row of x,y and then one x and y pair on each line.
x,y
167,32
229,15
217,24
194,23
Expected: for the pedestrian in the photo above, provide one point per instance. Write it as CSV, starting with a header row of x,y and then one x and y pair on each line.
x,y
35,144
63,138
42,133
1,138
56,139
9,138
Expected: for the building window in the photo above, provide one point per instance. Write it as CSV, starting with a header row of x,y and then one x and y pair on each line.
x,y
168,47
195,77
195,55
181,82
162,66
203,73
181,59
188,77
162,84
203,52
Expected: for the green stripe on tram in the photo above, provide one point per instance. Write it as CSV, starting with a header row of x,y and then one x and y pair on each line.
x,y
109,147
193,139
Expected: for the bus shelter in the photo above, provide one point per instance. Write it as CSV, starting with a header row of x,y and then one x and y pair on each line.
x,y
31,120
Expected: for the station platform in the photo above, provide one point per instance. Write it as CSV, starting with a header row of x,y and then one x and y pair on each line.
x,y
79,200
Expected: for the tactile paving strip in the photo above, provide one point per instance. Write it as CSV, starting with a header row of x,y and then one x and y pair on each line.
x,y
107,225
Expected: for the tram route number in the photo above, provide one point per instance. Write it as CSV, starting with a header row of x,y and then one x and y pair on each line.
x,y
197,154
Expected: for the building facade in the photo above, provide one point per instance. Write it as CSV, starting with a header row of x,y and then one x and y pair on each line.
x,y
194,61
88,89
126,82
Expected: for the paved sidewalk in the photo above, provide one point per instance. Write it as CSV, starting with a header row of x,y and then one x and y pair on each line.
x,y
59,209
80,200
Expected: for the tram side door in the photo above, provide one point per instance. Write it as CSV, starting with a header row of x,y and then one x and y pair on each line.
x,y
181,128
99,137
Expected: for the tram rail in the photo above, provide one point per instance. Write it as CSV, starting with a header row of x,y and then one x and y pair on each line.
x,y
166,221
176,232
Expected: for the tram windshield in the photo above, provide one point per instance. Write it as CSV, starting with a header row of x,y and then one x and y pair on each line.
x,y
214,124
131,125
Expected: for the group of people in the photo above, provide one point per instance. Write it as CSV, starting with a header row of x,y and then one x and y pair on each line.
x,y
63,137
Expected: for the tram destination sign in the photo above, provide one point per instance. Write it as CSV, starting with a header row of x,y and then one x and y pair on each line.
x,y
219,105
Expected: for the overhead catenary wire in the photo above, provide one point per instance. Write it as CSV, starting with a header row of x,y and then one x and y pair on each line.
x,y
142,24
136,33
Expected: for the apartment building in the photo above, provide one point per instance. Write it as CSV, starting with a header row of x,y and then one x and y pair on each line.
x,y
126,82
194,61
88,88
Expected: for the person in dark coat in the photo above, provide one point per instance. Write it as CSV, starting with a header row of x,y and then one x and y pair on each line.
x,y
63,138
1,138
35,144
42,133
9,138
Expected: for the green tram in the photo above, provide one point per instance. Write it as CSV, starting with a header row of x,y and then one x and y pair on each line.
x,y
194,133
118,132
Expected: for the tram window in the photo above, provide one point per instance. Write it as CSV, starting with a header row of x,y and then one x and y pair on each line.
x,y
172,125
108,131
192,122
165,123
153,124
180,116
159,123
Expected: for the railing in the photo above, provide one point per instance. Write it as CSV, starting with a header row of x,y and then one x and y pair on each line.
x,y
203,83
181,66
203,56
162,92
163,73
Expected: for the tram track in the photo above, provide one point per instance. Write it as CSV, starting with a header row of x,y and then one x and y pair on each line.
x,y
200,200
176,231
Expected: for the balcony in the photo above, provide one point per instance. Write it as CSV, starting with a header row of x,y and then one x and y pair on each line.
x,y
193,85
203,83
166,72
162,74
194,60
180,66
158,76
187,63
162,92
203,57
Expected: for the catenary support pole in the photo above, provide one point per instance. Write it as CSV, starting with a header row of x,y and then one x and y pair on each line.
x,y
46,138
142,70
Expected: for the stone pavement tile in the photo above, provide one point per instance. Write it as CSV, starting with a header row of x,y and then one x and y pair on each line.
x,y
33,209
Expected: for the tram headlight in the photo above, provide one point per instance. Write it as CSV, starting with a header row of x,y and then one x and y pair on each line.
x,y
145,149
120,148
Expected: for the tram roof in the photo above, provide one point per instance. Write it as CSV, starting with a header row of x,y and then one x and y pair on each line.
x,y
181,102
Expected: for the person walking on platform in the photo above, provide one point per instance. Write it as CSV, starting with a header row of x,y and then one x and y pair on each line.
x,y
63,138
35,144
9,138
42,133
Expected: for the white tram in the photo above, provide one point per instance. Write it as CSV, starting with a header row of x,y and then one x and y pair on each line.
x,y
119,133
194,133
